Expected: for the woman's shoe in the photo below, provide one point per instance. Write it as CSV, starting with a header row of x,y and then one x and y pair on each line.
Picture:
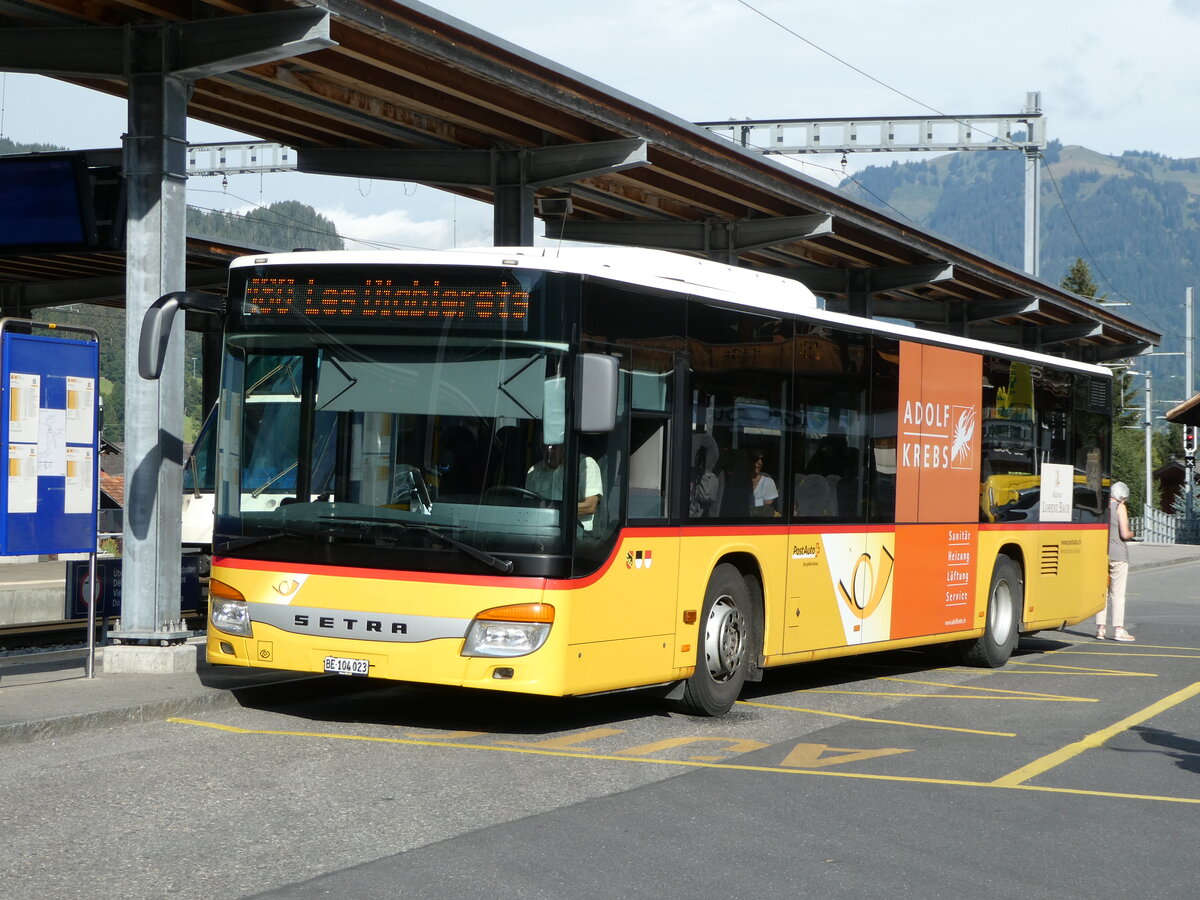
x,y
1120,634
1100,632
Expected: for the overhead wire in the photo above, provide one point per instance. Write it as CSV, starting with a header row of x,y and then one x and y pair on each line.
x,y
848,177
870,77
938,112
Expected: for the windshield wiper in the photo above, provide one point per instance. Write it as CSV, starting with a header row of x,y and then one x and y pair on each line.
x,y
500,565
274,478
243,542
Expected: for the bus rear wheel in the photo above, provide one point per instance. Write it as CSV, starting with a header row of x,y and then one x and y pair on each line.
x,y
724,647
1006,597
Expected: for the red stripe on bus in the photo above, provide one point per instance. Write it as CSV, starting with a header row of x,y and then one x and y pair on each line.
x,y
561,584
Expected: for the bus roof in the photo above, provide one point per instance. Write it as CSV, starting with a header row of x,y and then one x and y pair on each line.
x,y
666,271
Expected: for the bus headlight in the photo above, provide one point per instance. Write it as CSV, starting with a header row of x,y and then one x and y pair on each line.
x,y
509,630
227,609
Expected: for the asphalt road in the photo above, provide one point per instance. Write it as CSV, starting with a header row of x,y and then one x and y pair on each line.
x,y
1072,772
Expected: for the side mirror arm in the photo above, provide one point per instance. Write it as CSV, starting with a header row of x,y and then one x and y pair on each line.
x,y
156,326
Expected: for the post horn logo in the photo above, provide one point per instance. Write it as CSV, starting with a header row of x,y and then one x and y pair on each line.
x,y
866,585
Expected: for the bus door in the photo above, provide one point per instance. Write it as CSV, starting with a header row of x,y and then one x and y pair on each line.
x,y
835,566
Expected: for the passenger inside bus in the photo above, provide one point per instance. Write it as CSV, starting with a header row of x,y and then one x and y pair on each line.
x,y
545,479
762,488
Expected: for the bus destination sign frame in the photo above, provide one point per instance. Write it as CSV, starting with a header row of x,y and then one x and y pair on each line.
x,y
491,304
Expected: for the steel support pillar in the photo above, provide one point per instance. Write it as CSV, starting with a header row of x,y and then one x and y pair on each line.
x,y
1033,212
155,160
1189,342
512,199
858,293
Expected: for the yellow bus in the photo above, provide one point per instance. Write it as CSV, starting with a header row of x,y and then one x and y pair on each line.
x,y
571,472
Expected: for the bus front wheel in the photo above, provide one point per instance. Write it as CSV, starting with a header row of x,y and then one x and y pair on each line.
x,y
1006,597
724,646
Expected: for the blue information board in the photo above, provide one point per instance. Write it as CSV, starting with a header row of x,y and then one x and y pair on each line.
x,y
108,586
49,400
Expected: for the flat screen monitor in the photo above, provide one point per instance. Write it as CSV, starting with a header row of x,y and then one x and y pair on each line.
x,y
45,204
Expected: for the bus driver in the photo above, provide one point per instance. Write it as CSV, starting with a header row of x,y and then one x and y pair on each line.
x,y
545,478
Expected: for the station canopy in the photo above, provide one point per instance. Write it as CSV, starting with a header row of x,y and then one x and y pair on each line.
x,y
406,92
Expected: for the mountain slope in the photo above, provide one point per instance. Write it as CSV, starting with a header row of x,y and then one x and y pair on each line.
x,y
1134,218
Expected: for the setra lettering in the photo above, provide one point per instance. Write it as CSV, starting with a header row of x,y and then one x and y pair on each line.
x,y
376,626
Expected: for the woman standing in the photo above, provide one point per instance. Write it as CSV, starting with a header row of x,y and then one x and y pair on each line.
x,y
1119,535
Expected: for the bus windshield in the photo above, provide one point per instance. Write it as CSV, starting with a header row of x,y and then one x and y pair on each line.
x,y
429,446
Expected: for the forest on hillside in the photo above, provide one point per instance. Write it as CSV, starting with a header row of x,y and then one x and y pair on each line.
x,y
1134,218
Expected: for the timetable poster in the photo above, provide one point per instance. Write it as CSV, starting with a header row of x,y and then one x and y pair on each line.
x,y
24,400
22,478
80,411
80,467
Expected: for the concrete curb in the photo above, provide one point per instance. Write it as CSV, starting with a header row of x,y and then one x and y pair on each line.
x,y
74,723
202,699
1159,564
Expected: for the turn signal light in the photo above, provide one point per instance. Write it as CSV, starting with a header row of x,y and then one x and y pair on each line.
x,y
520,612
219,589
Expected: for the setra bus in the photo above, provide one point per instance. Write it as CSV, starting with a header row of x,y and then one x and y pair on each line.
x,y
571,472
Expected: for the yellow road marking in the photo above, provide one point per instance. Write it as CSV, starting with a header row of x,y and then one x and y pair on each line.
x,y
1076,670
926,696
1095,739
903,779
736,745
1032,695
1124,653
1140,646
812,756
568,740
821,712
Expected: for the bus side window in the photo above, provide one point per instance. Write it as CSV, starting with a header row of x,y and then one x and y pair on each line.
x,y
828,424
885,400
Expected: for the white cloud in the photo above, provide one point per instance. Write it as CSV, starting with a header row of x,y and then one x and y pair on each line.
x,y
398,229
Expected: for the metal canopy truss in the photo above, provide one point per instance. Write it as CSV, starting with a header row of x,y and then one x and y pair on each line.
x,y
401,76
189,50
900,134
908,134
725,241
239,158
513,176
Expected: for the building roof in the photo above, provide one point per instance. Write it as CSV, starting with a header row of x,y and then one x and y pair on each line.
x,y
1186,413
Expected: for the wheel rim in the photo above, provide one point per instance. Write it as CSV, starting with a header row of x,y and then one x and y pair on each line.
x,y
1000,613
724,639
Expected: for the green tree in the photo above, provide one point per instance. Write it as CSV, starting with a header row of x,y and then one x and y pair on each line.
x,y
1128,440
1166,445
1079,280
284,225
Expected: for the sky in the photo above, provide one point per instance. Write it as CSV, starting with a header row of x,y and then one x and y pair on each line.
x,y
1113,76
